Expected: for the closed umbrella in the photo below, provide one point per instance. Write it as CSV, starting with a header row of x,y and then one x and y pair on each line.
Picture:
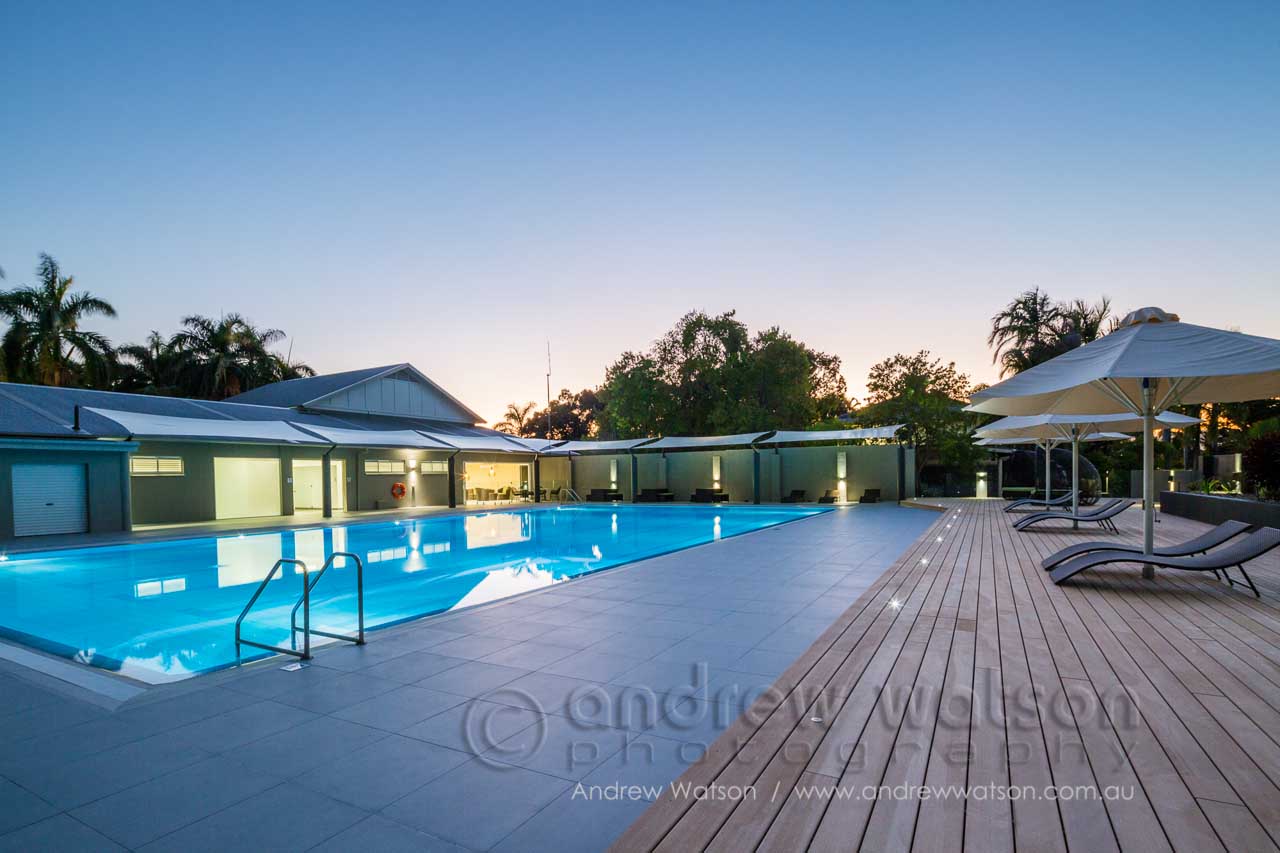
x,y
1151,362
1074,428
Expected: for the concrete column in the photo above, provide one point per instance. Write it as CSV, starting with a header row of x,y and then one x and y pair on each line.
x,y
537,479
326,485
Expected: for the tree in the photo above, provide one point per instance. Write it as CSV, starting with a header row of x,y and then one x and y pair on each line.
x,y
148,368
220,358
927,396
44,343
1033,329
708,375
571,416
516,419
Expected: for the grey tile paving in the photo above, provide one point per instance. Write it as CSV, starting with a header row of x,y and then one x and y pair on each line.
x,y
240,726
472,679
298,749
145,812
19,807
562,747
478,804
279,819
473,727
379,774
574,824
58,834
413,666
530,655
377,834
332,694
400,708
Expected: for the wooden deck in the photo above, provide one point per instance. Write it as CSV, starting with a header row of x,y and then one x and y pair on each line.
x,y
965,666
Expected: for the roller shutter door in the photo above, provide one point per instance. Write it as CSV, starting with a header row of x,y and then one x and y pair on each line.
x,y
49,499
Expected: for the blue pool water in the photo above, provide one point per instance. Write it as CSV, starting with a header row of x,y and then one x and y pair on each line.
x,y
166,610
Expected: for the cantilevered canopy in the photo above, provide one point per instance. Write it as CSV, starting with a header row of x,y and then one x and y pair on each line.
x,y
206,429
405,438
1061,426
621,445
545,446
796,436
745,439
487,443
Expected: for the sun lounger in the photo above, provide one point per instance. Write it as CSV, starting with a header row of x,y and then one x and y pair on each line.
x,y
1199,545
655,496
1065,500
708,496
1237,554
603,495
1100,515
870,496
797,496
830,496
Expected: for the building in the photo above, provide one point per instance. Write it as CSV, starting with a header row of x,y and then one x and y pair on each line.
x,y
74,460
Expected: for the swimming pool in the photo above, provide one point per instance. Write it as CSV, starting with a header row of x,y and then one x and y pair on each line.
x,y
164,611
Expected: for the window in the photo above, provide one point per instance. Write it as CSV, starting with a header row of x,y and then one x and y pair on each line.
x,y
156,466
434,467
384,466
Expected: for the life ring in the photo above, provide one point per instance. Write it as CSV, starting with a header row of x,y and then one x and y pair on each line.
x,y
398,490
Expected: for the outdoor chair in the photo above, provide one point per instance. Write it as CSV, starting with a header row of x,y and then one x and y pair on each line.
x,y
870,496
652,495
1100,515
1243,551
707,496
830,496
1199,545
603,495
797,496
1064,500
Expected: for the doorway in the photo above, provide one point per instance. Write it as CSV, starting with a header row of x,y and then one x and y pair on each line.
x,y
308,484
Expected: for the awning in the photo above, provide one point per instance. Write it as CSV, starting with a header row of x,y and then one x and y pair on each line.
x,y
398,438
795,436
1014,441
486,443
545,446
1059,426
621,445
206,429
693,442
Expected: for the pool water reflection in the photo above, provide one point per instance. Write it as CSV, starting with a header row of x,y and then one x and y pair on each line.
x,y
164,611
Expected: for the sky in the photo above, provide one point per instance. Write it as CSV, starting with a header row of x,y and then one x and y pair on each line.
x,y
454,184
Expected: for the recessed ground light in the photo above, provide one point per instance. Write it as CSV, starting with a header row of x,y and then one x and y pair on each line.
x,y
939,539
294,667
815,719
924,560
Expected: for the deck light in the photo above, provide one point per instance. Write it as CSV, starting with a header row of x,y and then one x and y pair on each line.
x,y
924,561
895,604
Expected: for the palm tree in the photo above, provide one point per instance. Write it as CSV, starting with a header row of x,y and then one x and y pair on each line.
x,y
1023,331
220,358
148,368
44,342
1081,323
516,419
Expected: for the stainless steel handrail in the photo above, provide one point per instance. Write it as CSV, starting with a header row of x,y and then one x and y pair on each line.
x,y
358,639
257,593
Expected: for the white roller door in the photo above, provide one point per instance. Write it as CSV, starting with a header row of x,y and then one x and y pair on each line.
x,y
49,499
246,487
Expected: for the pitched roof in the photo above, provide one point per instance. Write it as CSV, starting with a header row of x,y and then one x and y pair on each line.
x,y
310,390
299,392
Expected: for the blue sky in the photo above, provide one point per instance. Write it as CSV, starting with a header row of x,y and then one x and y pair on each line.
x,y
451,184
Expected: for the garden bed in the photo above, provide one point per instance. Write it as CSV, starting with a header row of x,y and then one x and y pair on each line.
x,y
1215,509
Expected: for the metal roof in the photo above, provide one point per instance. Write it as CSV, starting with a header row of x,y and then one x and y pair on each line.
x,y
745,439
796,436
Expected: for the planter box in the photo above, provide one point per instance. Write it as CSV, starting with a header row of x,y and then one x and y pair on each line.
x,y
1215,509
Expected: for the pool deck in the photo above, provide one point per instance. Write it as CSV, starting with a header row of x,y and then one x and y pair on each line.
x,y
466,731
965,665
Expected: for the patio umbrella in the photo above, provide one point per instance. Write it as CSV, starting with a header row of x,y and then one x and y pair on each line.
x,y
1049,442
1151,362
1074,428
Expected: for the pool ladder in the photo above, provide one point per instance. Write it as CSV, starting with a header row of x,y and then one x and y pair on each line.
x,y
304,603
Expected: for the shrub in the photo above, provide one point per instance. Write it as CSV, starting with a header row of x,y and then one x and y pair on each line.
x,y
1261,463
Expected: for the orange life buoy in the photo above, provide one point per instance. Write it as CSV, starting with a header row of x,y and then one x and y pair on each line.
x,y
398,490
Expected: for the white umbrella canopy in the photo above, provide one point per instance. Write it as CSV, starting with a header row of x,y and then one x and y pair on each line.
x,y
1063,426
1013,441
1151,362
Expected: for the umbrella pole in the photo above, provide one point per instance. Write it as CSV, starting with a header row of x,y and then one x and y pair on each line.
x,y
1075,474
1048,446
1148,476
